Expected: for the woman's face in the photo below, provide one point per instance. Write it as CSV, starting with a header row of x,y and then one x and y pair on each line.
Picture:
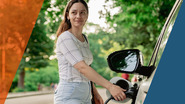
x,y
78,15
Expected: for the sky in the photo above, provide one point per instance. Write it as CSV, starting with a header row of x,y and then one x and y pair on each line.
x,y
97,5
94,7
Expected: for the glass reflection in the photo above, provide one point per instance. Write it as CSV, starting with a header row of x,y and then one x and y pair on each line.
x,y
124,61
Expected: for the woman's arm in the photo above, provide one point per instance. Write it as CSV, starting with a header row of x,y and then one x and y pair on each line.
x,y
66,45
92,75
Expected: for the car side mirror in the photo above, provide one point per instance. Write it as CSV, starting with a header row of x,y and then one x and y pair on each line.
x,y
129,61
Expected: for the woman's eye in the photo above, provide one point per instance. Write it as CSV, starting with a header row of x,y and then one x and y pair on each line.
x,y
82,12
73,12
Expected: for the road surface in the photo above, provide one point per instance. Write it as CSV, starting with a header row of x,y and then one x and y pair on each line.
x,y
47,99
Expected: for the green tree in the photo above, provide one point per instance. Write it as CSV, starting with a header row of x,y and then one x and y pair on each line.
x,y
98,41
40,46
138,22
136,25
43,76
38,50
34,77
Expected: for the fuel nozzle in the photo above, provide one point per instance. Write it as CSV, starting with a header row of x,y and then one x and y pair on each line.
x,y
123,84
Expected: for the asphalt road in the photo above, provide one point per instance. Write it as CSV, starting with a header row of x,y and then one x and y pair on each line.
x,y
48,99
39,99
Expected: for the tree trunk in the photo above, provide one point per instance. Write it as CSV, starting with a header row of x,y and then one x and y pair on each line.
x,y
21,79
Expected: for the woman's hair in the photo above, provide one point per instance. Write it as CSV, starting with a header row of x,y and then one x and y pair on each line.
x,y
66,24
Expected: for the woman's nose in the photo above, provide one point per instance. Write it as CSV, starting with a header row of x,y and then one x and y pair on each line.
x,y
78,15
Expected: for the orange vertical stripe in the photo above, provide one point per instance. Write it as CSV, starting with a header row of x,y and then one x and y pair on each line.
x,y
17,19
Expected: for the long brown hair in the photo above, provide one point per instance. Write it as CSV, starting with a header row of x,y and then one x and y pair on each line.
x,y
66,24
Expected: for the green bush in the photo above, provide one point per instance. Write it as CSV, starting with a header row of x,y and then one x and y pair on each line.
x,y
18,90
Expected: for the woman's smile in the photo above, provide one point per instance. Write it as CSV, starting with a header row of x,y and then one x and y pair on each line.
x,y
78,20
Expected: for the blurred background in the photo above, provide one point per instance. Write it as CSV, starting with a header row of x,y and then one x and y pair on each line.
x,y
112,25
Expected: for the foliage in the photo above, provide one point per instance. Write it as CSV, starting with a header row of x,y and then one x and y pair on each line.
x,y
17,89
138,22
136,25
40,46
99,60
34,77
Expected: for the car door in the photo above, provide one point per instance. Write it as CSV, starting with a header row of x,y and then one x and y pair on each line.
x,y
158,50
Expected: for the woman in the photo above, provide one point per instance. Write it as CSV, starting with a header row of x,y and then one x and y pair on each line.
x,y
74,58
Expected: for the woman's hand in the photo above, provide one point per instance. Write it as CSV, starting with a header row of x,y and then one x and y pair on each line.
x,y
117,92
91,74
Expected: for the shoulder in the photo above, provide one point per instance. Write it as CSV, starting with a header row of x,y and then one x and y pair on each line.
x,y
63,36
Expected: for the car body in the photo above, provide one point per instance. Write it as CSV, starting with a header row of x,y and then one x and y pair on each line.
x,y
130,61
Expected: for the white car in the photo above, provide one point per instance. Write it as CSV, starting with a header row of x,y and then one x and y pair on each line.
x,y
131,61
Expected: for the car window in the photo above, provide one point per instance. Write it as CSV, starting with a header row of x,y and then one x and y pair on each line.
x,y
165,33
